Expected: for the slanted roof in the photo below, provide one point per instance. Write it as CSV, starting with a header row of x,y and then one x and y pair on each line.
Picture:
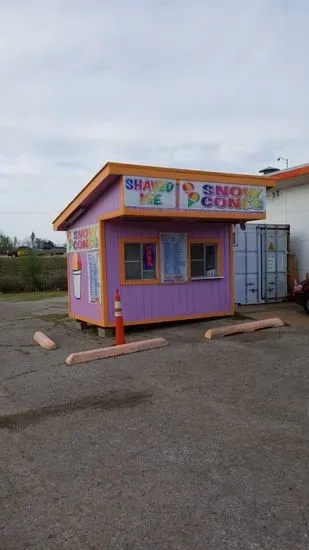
x,y
109,174
296,175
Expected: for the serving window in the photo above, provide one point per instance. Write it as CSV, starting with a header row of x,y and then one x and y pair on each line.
x,y
169,259
139,263
205,259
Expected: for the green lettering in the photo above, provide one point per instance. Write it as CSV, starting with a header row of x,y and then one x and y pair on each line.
x,y
157,200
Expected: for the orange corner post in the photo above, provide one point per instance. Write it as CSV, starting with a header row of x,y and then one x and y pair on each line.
x,y
119,326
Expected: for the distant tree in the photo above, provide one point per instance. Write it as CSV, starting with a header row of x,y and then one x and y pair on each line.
x,y
26,242
32,239
38,243
15,242
6,243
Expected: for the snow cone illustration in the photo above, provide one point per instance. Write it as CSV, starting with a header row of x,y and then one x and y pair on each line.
x,y
77,274
192,195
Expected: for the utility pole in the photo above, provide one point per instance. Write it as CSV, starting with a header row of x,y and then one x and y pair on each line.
x,y
285,159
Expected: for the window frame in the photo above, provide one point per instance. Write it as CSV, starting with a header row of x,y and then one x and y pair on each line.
x,y
206,242
140,241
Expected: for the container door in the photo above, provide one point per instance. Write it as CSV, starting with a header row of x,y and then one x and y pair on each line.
x,y
274,254
246,265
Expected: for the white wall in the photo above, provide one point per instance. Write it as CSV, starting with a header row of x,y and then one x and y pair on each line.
x,y
292,207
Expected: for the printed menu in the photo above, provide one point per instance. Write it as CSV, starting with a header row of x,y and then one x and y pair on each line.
x,y
94,290
174,261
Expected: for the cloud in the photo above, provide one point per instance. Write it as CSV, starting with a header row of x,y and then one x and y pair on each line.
x,y
21,165
201,84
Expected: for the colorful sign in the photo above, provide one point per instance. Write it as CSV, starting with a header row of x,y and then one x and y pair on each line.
x,y
221,197
94,287
149,259
173,253
84,238
149,192
77,275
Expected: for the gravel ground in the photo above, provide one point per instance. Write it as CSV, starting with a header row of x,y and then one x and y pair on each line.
x,y
200,445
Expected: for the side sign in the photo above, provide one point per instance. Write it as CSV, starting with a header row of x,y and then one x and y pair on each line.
x,y
84,238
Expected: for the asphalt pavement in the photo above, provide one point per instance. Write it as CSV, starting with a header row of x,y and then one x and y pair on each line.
x,y
199,445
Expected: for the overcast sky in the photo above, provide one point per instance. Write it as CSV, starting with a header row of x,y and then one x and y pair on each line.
x,y
208,84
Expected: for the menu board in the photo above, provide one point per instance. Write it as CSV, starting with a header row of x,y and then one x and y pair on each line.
x,y
173,254
94,290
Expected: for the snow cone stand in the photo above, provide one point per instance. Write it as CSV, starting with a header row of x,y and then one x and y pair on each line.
x,y
163,237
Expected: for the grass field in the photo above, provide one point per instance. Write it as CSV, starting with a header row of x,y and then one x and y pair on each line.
x,y
31,296
33,274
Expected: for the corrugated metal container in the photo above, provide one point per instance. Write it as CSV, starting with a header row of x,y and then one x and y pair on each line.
x,y
261,263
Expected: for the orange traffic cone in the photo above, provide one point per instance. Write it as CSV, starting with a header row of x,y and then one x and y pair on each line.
x,y
119,326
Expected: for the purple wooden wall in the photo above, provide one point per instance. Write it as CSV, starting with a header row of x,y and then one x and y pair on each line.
x,y
81,307
141,302
107,202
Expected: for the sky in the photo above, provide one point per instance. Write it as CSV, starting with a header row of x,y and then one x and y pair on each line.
x,y
202,84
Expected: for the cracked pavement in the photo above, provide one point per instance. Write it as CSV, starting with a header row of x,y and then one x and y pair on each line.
x,y
198,445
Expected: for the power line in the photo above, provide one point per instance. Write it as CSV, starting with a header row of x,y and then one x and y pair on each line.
x,y
28,211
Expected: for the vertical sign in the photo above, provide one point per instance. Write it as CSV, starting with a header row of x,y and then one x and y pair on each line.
x,y
174,260
94,287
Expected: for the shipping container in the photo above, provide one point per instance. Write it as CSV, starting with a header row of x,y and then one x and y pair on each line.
x,y
261,263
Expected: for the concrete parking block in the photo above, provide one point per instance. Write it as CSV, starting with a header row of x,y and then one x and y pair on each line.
x,y
243,327
43,341
104,353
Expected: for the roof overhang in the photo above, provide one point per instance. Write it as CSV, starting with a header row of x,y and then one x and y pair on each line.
x,y
161,216
109,174
291,177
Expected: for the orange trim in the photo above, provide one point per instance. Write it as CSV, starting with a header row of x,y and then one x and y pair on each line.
x,y
219,243
185,214
170,319
139,282
111,170
192,175
162,282
111,215
102,251
138,240
304,170
82,195
232,276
